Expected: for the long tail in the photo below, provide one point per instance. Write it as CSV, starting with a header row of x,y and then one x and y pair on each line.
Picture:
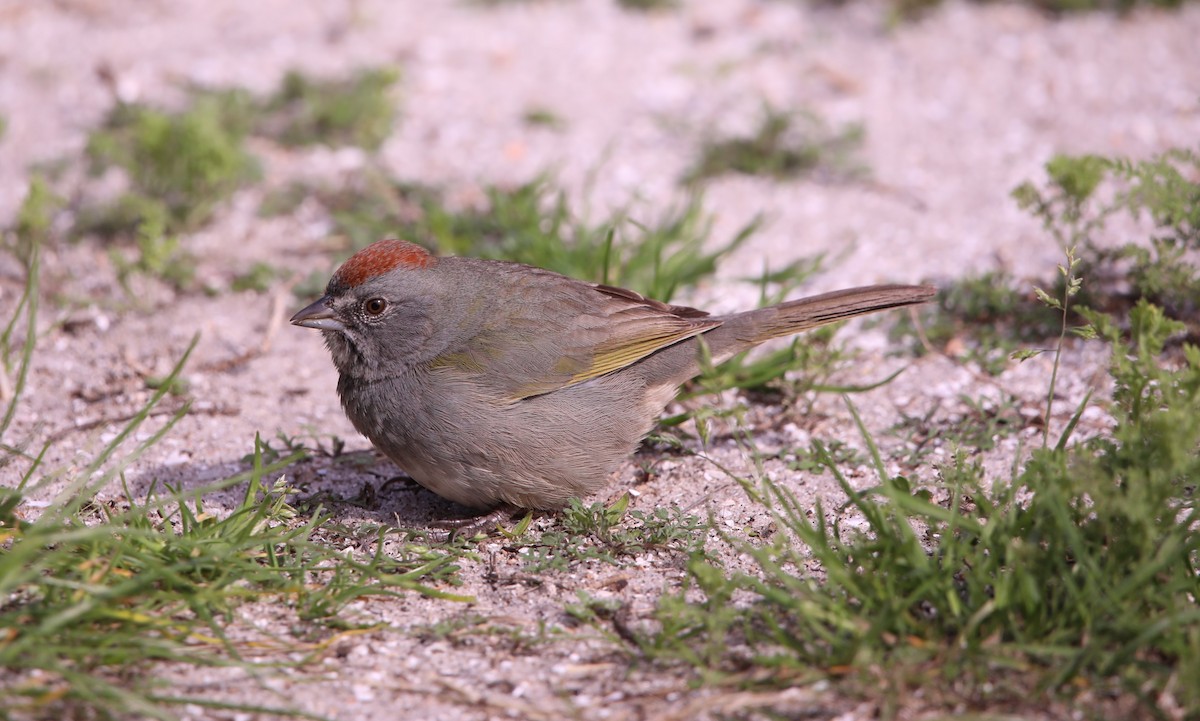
x,y
741,331
800,315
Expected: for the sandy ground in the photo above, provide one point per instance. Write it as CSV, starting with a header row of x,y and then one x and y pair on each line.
x,y
958,108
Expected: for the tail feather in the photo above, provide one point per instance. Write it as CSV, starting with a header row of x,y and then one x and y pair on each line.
x,y
675,364
799,315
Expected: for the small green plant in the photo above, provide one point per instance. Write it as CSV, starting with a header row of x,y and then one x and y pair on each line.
x,y
611,533
905,10
289,447
1083,192
25,241
791,374
34,220
258,278
283,200
813,357
1079,571
543,118
180,166
984,317
101,589
647,5
1049,585
1070,288
237,109
97,588
988,318
535,223
815,457
158,255
780,149
357,111
591,609
976,430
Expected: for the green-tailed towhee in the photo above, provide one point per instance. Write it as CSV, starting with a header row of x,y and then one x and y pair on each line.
x,y
498,384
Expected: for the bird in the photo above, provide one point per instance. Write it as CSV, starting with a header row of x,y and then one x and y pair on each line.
x,y
506,387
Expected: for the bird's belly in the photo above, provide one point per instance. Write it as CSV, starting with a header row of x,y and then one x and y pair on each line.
x,y
480,450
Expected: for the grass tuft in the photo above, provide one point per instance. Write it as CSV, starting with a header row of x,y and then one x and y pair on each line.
x,y
356,111
908,10
1079,572
648,5
535,223
98,589
987,318
1083,192
610,534
542,117
180,166
785,145
93,590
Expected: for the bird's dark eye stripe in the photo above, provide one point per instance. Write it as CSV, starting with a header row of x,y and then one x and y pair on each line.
x,y
375,306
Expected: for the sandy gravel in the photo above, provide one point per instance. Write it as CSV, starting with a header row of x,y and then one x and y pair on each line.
x,y
958,108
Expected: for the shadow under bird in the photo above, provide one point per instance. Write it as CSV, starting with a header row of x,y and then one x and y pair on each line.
x,y
502,386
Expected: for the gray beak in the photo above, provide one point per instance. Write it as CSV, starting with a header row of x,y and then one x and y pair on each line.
x,y
318,315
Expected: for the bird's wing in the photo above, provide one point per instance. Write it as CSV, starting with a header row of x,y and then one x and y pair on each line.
x,y
573,332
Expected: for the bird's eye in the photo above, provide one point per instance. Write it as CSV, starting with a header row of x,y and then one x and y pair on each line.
x,y
375,306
